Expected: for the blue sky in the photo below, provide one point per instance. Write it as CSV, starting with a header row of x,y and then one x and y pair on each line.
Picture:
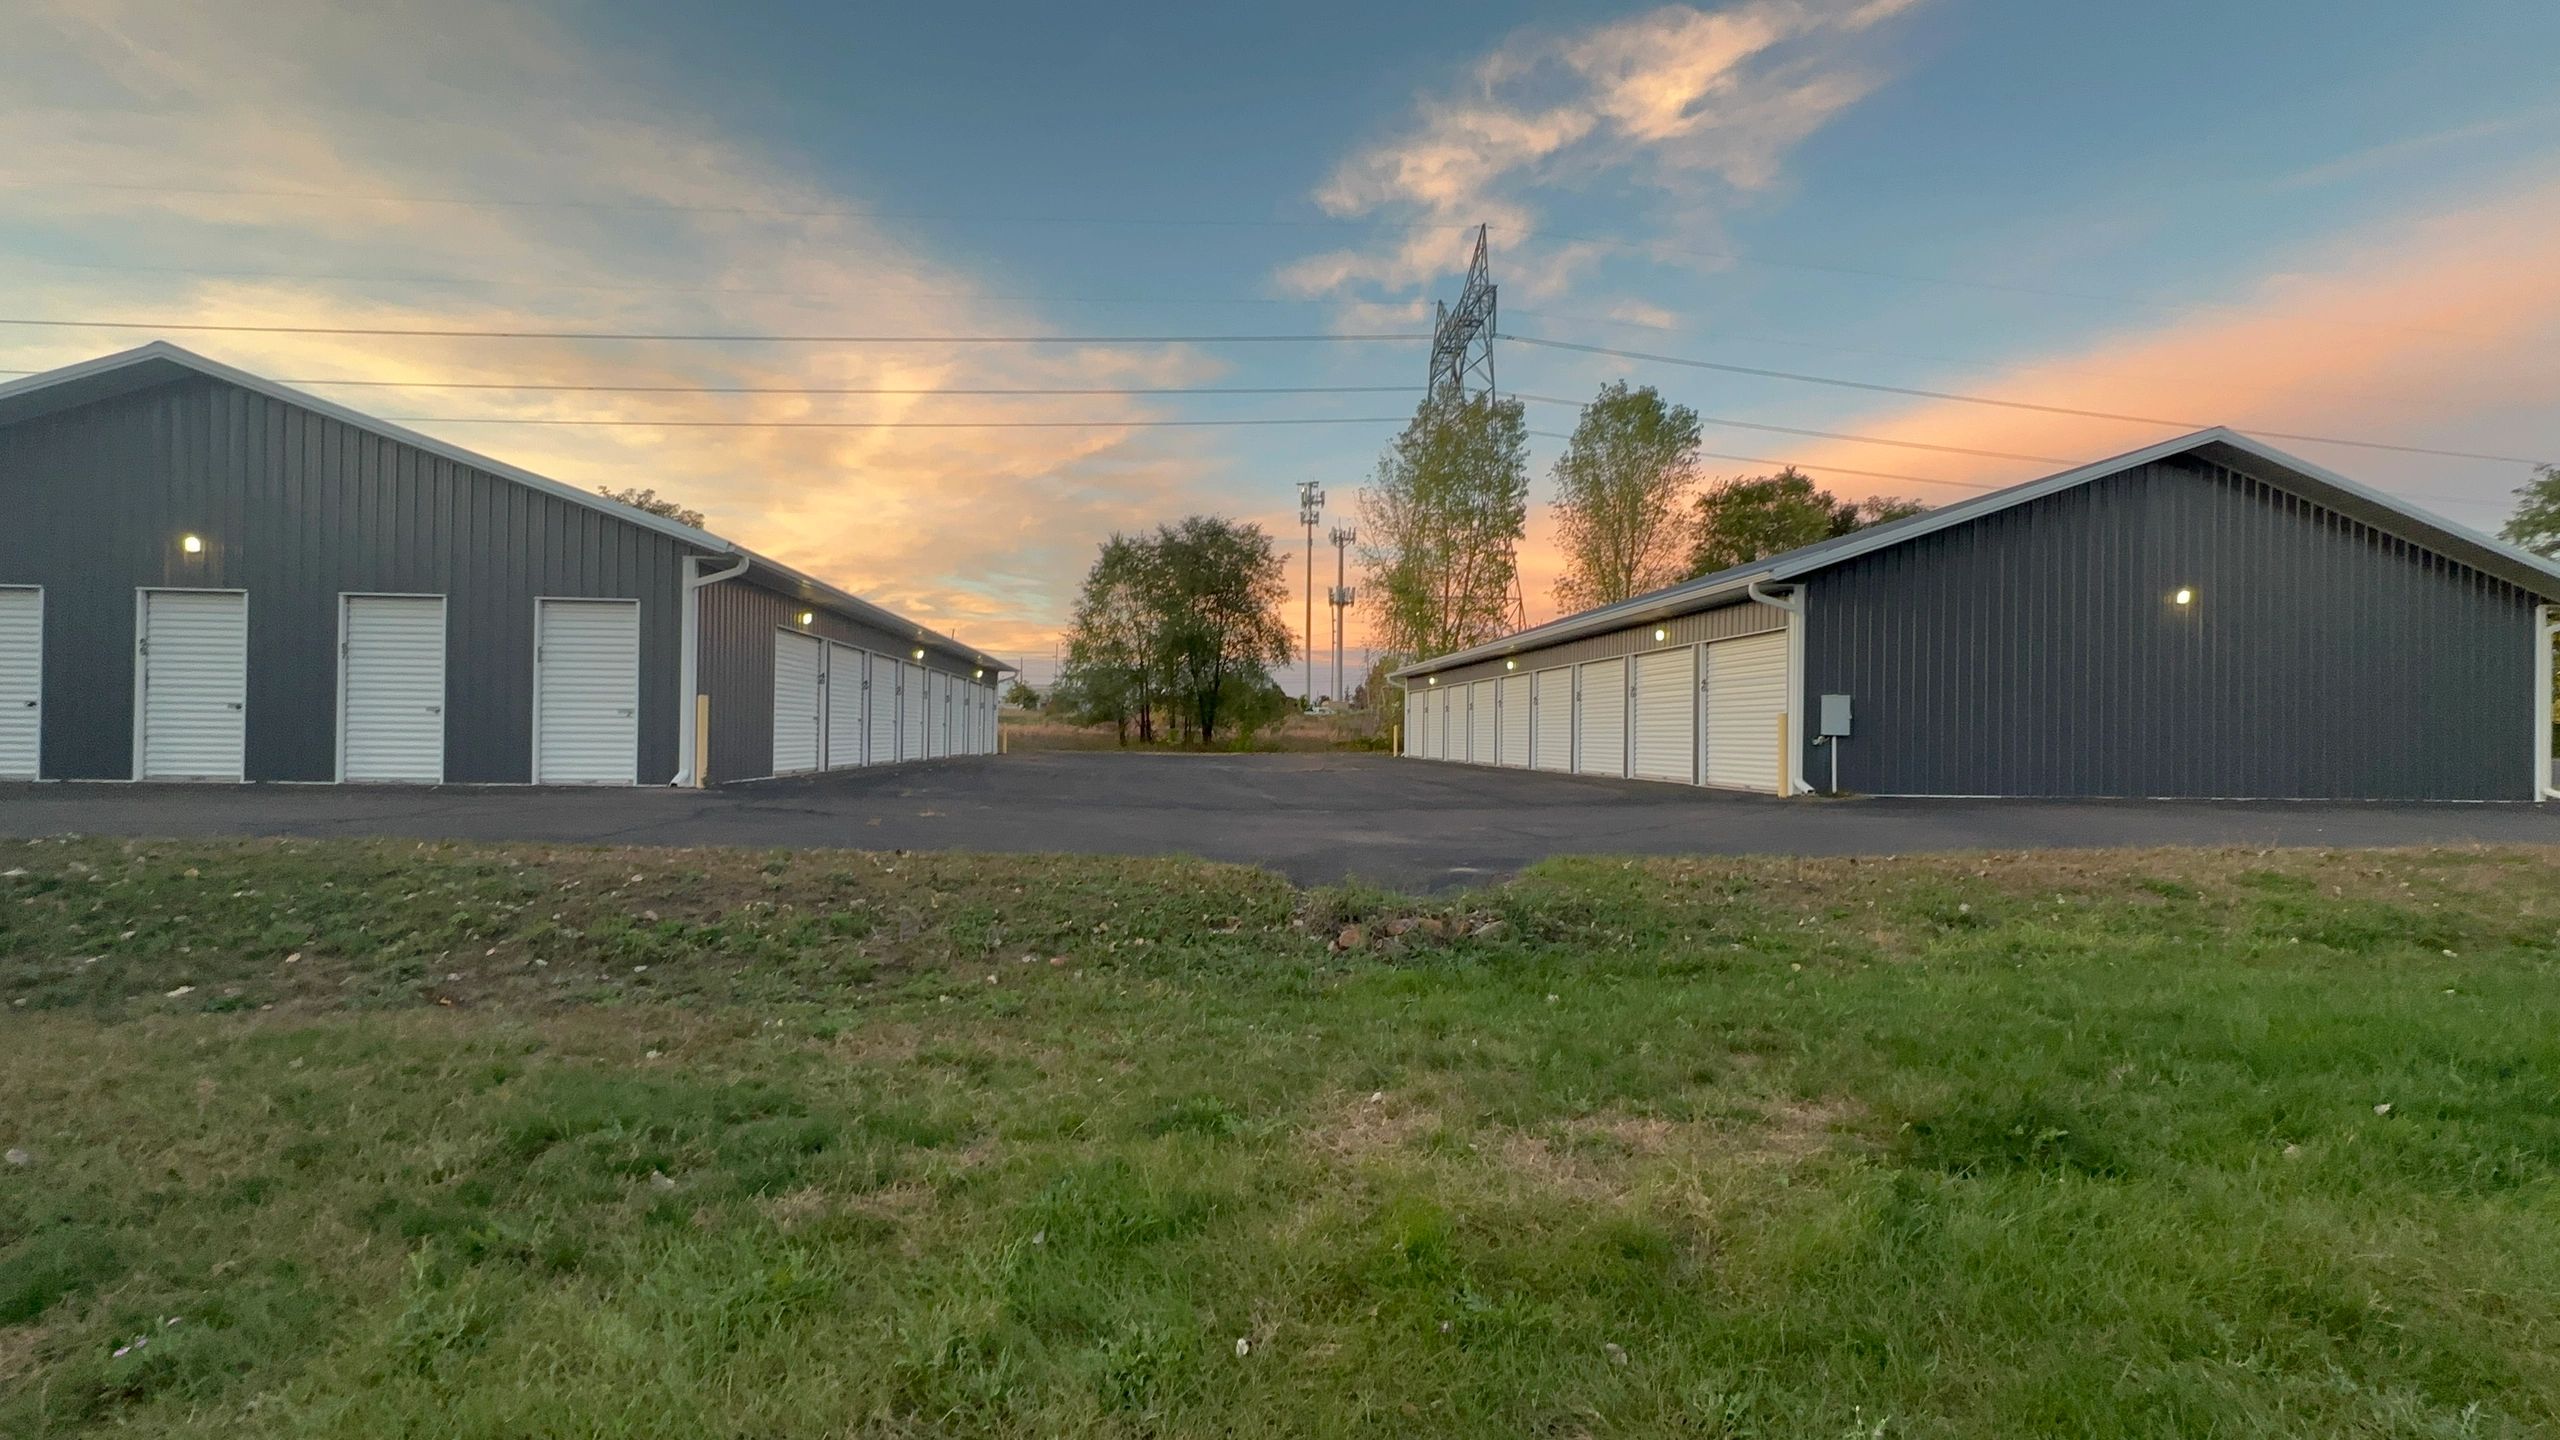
x,y
2318,218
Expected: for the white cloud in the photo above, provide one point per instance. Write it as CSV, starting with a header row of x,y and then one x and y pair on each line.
x,y
645,215
1689,108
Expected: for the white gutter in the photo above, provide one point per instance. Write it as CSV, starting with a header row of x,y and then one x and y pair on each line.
x,y
2546,777
689,661
1793,605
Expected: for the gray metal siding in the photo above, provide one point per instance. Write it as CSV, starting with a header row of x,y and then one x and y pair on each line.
x,y
1725,622
2036,651
295,508
734,666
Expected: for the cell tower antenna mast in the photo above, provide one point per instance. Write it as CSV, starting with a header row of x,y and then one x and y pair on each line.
x,y
1310,510
1462,334
1342,598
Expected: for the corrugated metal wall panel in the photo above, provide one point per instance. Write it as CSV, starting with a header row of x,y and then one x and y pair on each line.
x,y
735,668
2037,652
1723,622
298,509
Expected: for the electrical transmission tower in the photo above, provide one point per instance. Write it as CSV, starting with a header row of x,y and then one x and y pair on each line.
x,y
1310,510
1462,366
1462,335
1343,538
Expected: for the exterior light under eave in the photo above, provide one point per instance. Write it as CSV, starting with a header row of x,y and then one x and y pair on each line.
x,y
192,544
2184,596
808,617
919,653
1661,634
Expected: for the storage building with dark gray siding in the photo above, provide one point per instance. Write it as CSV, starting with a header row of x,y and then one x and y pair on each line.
x,y
2206,617
208,575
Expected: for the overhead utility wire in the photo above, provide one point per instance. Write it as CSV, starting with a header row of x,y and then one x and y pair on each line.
x,y
902,424
1832,435
1994,400
854,389
1793,464
441,333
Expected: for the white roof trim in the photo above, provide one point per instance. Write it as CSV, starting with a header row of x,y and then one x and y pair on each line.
x,y
1712,590
163,351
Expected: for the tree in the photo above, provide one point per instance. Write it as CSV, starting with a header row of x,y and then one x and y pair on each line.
x,y
1219,589
1109,673
648,500
1618,489
2536,523
1186,617
1439,522
1021,696
1751,518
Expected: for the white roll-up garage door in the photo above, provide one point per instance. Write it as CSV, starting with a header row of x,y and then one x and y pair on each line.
x,y
941,715
799,702
1551,732
880,701
1412,735
846,668
1515,720
1453,723
195,684
1601,729
586,694
1481,715
21,682
910,711
1746,695
1666,718
391,690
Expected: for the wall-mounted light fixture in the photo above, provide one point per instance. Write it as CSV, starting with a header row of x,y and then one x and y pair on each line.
x,y
919,654
1430,679
192,544
808,616
2184,596
1510,664
977,674
1661,634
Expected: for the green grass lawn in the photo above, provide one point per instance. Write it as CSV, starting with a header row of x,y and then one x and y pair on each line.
x,y
375,1140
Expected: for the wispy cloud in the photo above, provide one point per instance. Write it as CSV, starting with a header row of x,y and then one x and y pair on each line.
x,y
1694,108
574,167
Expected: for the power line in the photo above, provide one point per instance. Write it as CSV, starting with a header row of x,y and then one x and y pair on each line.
x,y
899,424
440,333
661,289
1834,435
1817,469
1993,400
808,390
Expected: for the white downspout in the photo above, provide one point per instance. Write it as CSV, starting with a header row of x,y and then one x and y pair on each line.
x,y
689,662
1793,604
2546,779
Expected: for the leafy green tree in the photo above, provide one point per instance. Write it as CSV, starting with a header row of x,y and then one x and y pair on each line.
x,y
650,501
1219,586
1619,485
1021,696
1440,522
1751,518
2536,523
1174,619
1111,642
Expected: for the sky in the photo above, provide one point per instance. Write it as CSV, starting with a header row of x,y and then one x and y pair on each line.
x,y
2336,220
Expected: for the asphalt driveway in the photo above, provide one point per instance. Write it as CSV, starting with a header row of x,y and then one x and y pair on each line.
x,y
1409,824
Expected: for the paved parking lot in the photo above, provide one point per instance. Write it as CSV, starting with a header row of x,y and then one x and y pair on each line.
x,y
1317,818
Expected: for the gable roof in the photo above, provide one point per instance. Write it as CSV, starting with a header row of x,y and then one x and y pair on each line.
x,y
160,363
2218,445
